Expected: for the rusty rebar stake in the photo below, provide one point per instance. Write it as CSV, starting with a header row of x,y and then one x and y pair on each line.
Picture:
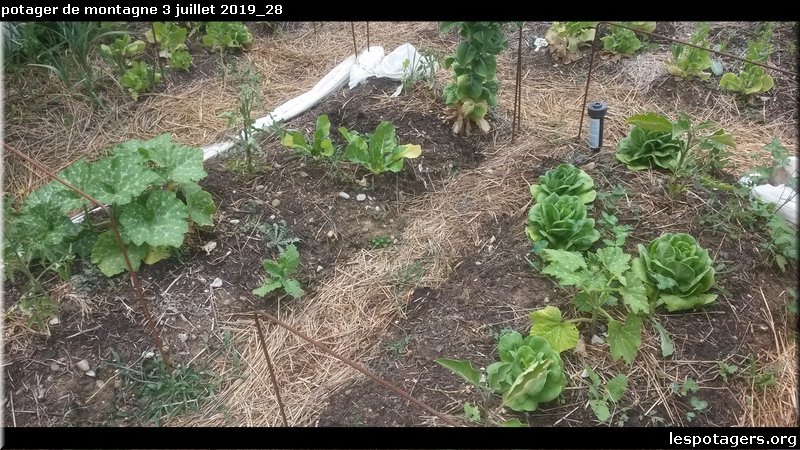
x,y
271,370
355,47
358,367
367,36
515,122
588,79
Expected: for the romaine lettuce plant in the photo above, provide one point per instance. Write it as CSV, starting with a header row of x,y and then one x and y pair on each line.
x,y
319,147
279,273
168,36
475,85
644,149
139,78
677,272
752,79
565,38
378,151
529,372
151,189
621,42
690,61
226,35
121,51
565,179
561,221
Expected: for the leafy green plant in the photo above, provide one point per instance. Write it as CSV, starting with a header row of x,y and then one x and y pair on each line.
x,y
529,372
226,35
562,222
319,147
565,38
169,37
565,179
140,77
623,42
380,242
180,60
599,400
690,387
474,87
151,189
601,277
752,79
643,149
677,272
689,61
121,51
726,370
249,100
782,243
279,273
610,225
378,151
276,236
698,144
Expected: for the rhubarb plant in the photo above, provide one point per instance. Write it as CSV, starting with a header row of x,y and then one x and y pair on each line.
x,y
279,274
150,188
321,144
378,151
474,87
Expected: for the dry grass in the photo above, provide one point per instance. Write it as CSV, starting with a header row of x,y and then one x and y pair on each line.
x,y
354,307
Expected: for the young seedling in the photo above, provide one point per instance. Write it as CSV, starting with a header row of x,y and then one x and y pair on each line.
x,y
380,242
321,146
726,370
378,151
276,236
279,273
612,393
249,100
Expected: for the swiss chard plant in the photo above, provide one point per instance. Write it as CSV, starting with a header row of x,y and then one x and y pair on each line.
x,y
752,79
149,186
605,284
565,179
565,38
121,51
320,146
689,61
140,77
227,35
279,274
530,372
676,271
561,221
474,87
378,151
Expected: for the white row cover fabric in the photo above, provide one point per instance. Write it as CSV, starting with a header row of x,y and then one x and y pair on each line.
x,y
784,197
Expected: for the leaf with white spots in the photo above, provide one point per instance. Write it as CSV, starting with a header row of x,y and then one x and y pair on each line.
x,y
161,221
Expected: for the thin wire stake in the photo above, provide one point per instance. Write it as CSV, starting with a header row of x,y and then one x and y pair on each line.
x,y
358,367
355,47
515,123
588,78
271,371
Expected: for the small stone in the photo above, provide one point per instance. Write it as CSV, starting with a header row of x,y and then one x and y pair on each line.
x,y
272,217
319,268
310,220
91,374
547,299
192,337
344,195
597,340
377,209
365,229
330,234
99,384
235,221
183,337
216,283
209,247
477,263
149,355
54,321
83,365
55,367
585,374
260,188
303,174
361,197
276,203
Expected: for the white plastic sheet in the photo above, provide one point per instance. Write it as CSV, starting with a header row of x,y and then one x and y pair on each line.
x,y
784,197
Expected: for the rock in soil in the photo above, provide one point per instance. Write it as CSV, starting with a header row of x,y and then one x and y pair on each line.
x,y
361,197
83,365
344,195
276,203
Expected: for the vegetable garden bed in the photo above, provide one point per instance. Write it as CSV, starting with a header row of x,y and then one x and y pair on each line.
x,y
399,270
